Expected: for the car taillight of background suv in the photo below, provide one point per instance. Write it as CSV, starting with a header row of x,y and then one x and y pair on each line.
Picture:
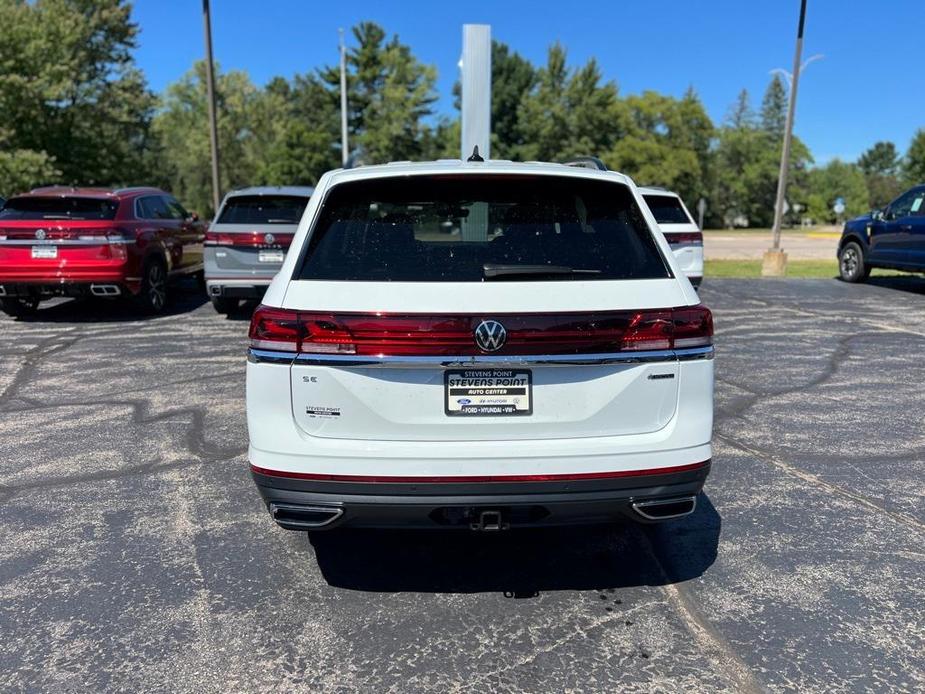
x,y
76,242
479,345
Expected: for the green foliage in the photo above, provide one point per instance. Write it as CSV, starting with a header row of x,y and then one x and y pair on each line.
x,y
667,143
837,179
746,166
774,108
70,94
914,165
880,165
512,78
568,113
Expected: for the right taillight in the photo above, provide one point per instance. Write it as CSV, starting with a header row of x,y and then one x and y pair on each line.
x,y
693,327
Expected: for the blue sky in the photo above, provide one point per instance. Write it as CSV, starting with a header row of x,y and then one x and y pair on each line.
x,y
868,87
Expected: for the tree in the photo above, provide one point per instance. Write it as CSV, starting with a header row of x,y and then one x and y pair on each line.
x,y
741,114
914,164
880,165
390,94
512,78
182,127
837,179
774,108
667,143
568,113
70,94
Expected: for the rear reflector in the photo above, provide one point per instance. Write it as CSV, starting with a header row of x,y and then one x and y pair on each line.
x,y
453,335
688,237
248,239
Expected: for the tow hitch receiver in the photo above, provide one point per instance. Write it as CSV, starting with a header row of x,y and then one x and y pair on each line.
x,y
489,521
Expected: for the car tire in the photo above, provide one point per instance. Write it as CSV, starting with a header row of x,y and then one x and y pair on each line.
x,y
851,264
19,308
224,305
153,295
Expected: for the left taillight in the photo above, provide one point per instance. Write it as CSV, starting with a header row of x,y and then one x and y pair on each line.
x,y
275,328
215,239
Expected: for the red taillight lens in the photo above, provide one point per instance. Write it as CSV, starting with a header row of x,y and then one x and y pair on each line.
x,y
427,335
693,327
687,237
275,328
216,239
248,239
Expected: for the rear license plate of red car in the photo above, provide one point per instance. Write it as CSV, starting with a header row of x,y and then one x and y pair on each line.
x,y
44,251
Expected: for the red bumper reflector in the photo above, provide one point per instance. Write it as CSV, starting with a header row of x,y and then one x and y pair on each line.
x,y
319,477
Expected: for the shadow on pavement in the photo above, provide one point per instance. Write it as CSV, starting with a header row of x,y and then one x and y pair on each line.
x,y
521,563
184,297
906,283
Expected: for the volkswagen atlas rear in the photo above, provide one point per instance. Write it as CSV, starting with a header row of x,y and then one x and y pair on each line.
x,y
248,240
478,345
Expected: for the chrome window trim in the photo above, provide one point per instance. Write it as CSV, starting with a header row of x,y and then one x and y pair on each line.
x,y
259,356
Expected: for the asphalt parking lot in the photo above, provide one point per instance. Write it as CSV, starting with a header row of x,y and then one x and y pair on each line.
x,y
135,553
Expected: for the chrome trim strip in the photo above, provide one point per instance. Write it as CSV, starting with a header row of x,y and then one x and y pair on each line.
x,y
102,241
349,360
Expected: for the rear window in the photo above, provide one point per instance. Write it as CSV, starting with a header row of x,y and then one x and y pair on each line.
x,y
487,228
667,209
59,208
263,209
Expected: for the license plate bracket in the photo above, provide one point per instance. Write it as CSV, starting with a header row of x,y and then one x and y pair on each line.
x,y
270,257
47,252
479,392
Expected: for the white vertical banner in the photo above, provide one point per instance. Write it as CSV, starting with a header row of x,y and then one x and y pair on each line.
x,y
476,115
476,90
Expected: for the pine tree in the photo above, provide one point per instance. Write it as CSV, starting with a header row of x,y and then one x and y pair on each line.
x,y
914,164
774,108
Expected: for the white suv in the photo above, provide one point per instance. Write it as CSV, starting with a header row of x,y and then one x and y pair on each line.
x,y
679,228
478,345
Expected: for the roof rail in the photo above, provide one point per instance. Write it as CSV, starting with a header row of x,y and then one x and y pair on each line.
x,y
129,189
587,163
656,188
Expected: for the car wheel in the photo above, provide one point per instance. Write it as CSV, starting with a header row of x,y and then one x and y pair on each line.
x,y
19,308
153,295
223,305
851,265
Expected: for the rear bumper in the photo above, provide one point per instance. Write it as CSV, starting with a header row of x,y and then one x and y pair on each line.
x,y
98,286
464,504
234,288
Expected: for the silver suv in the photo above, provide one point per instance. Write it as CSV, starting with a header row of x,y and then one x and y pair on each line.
x,y
247,242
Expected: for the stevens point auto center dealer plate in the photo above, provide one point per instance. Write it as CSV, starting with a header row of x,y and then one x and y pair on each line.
x,y
488,392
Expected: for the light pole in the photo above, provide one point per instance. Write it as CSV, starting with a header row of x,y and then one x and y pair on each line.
x,y
775,260
344,152
788,76
210,87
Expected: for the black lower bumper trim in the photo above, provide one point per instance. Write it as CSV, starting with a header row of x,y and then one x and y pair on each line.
x,y
523,504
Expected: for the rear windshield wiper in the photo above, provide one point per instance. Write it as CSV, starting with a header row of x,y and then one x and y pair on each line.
x,y
491,271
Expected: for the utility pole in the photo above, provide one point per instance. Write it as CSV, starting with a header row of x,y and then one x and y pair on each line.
x,y
210,86
344,152
775,260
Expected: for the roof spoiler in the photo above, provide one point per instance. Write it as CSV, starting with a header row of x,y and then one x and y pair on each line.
x,y
587,163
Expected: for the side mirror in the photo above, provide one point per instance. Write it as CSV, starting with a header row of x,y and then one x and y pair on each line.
x,y
193,217
876,215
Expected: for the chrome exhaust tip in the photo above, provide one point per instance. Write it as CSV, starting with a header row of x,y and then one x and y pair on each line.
x,y
299,517
105,290
665,509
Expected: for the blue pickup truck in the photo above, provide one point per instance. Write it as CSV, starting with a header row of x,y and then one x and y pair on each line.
x,y
893,238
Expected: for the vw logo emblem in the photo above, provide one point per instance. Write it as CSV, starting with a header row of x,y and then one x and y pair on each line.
x,y
490,336
40,234
268,239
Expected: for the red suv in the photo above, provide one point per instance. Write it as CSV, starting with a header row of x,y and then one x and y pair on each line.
x,y
89,241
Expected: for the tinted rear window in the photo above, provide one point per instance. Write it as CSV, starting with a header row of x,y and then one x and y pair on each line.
x,y
263,209
667,209
473,229
59,208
